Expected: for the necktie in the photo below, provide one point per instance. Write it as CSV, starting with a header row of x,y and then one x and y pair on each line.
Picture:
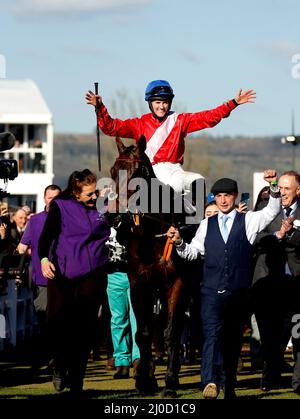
x,y
224,231
288,211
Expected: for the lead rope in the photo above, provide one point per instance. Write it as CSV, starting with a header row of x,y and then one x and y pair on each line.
x,y
136,218
168,249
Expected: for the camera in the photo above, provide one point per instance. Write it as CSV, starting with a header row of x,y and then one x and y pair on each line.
x,y
8,168
14,265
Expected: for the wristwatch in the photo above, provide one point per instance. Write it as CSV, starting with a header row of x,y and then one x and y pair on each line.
x,y
178,242
274,190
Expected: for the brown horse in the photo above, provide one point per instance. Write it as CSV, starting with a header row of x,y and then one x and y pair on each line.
x,y
152,267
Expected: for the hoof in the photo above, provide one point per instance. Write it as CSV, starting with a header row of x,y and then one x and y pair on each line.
x,y
172,382
168,393
146,386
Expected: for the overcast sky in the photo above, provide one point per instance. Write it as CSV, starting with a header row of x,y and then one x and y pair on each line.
x,y
206,49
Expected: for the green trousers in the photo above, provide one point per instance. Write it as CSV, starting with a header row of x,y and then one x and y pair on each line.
x,y
123,323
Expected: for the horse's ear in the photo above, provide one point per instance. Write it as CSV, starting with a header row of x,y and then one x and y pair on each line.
x,y
142,144
120,145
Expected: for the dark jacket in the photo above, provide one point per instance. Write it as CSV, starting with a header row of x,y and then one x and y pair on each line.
x,y
273,254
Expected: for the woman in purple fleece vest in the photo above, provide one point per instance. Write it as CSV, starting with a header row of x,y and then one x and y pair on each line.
x,y
74,236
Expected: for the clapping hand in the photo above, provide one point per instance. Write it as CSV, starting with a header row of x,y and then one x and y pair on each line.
x,y
286,226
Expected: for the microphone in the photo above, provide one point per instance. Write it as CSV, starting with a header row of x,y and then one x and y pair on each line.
x,y
7,141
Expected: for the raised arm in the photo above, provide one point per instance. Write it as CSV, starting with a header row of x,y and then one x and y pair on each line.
x,y
91,98
258,220
209,118
247,96
128,128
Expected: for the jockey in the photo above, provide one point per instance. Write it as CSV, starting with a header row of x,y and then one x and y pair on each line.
x,y
165,130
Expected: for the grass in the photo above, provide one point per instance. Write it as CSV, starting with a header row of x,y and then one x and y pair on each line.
x,y
18,381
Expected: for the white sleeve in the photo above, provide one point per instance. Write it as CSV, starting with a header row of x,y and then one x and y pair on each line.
x,y
191,251
256,221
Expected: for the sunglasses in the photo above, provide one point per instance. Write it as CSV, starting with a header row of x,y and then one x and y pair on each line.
x,y
89,195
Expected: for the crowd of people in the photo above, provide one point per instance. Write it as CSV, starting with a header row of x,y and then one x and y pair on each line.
x,y
73,282
251,259
250,265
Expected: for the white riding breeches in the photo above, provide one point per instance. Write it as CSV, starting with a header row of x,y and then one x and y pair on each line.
x,y
173,174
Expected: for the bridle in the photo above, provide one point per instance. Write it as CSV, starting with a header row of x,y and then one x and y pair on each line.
x,y
137,161
134,217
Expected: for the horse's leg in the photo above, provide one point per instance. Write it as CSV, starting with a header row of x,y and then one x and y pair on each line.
x,y
141,298
173,332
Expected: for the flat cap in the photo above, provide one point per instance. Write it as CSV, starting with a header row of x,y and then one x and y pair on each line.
x,y
224,185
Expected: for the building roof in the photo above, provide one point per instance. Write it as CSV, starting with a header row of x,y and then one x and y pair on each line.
x,y
22,102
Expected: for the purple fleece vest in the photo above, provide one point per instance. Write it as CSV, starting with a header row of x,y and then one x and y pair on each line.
x,y
31,237
80,247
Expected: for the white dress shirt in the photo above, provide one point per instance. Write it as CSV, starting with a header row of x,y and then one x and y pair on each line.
x,y
293,207
254,223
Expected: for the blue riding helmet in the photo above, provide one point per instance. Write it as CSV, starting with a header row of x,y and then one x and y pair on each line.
x,y
159,90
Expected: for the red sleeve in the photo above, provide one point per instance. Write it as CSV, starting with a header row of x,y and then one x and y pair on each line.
x,y
128,128
207,119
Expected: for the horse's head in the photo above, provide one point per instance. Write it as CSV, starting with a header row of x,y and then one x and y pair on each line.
x,y
129,159
132,172
133,162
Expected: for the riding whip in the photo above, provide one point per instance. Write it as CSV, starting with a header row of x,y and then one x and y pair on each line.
x,y
98,130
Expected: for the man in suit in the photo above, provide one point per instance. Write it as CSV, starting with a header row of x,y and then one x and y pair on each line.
x,y
276,279
17,227
29,244
225,240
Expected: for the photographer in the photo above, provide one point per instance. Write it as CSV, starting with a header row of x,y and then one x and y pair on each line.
x,y
8,168
4,234
29,243
8,171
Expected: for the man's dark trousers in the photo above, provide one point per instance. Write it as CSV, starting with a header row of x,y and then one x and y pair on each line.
x,y
224,315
